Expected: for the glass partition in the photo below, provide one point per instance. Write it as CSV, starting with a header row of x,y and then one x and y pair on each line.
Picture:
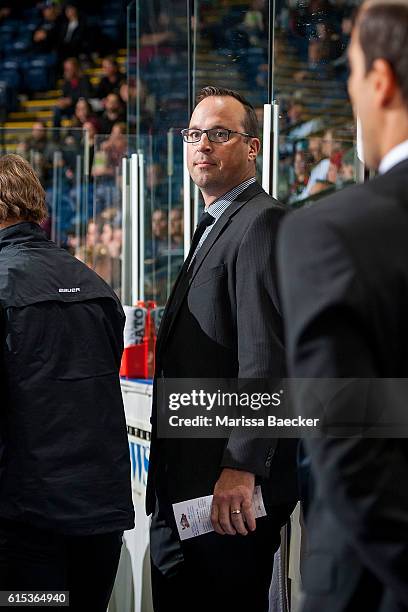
x,y
157,67
231,47
293,54
309,77
133,100
158,81
312,167
59,157
102,249
163,215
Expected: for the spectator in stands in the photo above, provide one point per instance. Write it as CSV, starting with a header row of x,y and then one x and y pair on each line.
x,y
116,145
7,11
109,157
159,241
253,23
176,221
347,170
330,145
48,34
332,179
156,184
318,148
75,86
115,245
156,262
318,62
129,92
37,141
160,38
331,43
37,149
73,40
85,250
341,64
295,112
92,127
113,113
13,10
106,234
333,173
301,168
83,112
72,242
92,234
4,12
112,78
105,170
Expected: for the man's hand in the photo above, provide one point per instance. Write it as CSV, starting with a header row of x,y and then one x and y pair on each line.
x,y
234,490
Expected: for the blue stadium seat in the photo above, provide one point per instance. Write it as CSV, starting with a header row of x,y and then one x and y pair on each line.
x,y
17,48
10,77
109,27
31,15
10,27
38,80
6,37
39,72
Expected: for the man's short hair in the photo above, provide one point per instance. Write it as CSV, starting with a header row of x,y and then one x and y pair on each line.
x,y
22,197
383,34
250,123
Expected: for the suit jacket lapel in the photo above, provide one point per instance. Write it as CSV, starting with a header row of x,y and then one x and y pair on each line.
x,y
215,233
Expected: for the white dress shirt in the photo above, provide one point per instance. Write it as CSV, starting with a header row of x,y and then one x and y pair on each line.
x,y
394,157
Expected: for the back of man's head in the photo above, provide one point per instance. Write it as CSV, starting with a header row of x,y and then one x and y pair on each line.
x,y
383,34
378,81
22,197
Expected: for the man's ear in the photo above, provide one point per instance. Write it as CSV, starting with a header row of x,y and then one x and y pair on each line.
x,y
384,82
254,148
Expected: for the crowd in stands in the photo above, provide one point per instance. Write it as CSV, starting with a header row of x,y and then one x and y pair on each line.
x,y
36,37
310,71
55,44
52,45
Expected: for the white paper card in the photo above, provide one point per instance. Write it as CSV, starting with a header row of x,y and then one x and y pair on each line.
x,y
193,516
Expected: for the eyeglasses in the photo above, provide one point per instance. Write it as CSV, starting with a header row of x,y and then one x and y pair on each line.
x,y
192,135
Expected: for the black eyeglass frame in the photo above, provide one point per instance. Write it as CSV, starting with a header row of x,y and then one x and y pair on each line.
x,y
185,130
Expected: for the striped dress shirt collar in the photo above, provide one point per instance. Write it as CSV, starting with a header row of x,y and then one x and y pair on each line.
x,y
217,208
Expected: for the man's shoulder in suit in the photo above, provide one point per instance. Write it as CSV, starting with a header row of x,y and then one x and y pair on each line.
x,y
261,204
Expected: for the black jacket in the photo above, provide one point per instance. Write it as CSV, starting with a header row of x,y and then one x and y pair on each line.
x,y
344,280
77,88
64,455
227,326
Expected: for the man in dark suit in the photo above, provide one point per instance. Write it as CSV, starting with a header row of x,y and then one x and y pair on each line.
x,y
222,320
344,279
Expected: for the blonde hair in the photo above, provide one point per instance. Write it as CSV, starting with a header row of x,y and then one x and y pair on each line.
x,y
22,197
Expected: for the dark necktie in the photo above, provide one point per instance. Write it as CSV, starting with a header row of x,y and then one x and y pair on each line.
x,y
205,221
185,273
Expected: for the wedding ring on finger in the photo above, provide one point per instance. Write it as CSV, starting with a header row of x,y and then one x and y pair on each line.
x,y
235,511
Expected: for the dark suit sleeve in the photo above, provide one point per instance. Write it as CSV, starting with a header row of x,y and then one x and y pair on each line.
x,y
328,333
259,332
